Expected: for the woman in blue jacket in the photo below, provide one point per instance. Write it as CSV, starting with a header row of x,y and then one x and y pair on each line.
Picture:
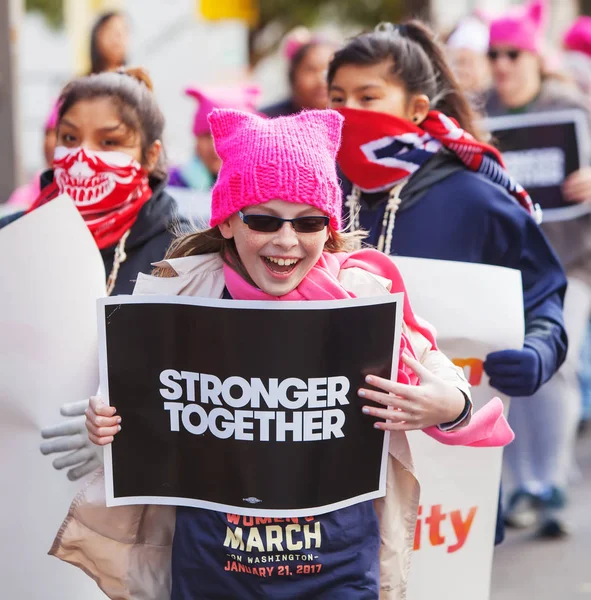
x,y
422,186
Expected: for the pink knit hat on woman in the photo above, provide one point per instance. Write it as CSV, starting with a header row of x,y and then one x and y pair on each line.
x,y
289,158
522,27
578,37
242,97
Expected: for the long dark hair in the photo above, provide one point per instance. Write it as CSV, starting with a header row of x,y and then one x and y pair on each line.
x,y
419,64
131,92
97,60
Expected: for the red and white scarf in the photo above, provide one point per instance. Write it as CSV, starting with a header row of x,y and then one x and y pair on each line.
x,y
108,188
379,150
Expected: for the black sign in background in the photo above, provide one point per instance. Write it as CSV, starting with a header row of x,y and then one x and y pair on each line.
x,y
150,460
536,137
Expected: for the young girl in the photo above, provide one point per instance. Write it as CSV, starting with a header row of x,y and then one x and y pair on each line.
x,y
422,186
275,235
109,159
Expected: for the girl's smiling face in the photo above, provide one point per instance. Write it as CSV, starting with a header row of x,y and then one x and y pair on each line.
x,y
277,262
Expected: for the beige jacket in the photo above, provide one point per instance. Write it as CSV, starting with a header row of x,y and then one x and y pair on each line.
x,y
127,549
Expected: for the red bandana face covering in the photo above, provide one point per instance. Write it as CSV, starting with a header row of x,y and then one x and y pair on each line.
x,y
379,150
108,188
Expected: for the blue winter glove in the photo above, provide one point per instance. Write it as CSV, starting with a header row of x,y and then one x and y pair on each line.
x,y
514,372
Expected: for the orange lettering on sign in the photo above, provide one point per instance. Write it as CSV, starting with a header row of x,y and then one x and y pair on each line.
x,y
435,521
475,369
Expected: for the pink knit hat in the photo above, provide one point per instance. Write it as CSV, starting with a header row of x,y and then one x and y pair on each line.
x,y
288,158
578,37
522,27
239,97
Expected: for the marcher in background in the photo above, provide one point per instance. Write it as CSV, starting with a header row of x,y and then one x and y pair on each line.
x,y
109,42
280,202
429,189
109,159
308,62
466,47
542,456
201,171
577,61
24,196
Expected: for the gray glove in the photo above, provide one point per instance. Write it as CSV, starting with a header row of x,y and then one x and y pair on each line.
x,y
72,435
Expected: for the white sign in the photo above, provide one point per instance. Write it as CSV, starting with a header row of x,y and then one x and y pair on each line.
x,y
52,274
454,539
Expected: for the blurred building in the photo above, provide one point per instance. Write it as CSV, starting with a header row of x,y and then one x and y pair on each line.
x,y
179,46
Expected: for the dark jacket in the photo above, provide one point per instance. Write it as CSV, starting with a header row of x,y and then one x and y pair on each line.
x,y
450,213
148,240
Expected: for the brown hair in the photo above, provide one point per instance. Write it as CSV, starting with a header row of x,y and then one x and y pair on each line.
x,y
419,64
211,240
131,91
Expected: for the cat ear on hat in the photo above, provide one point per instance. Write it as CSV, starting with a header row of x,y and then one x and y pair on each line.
x,y
194,93
537,12
329,122
225,124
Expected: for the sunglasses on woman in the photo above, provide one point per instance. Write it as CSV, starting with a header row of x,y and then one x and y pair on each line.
x,y
270,224
512,55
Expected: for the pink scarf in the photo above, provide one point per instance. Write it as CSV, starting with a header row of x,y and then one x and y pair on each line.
x,y
488,426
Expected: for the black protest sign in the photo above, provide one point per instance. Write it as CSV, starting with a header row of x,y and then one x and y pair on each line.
x,y
231,406
540,150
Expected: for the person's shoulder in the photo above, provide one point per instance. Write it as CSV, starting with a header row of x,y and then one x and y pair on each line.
x,y
471,187
557,94
476,196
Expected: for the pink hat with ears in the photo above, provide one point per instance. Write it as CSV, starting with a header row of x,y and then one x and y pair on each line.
x,y
239,97
288,158
522,27
578,37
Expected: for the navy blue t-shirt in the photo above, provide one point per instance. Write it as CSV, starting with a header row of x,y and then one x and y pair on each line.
x,y
219,556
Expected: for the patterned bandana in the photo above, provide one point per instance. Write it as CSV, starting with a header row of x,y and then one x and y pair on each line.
x,y
108,188
378,151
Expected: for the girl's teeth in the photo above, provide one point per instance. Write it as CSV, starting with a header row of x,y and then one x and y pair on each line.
x,y
283,262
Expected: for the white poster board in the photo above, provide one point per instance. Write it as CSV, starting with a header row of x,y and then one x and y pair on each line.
x,y
454,540
52,273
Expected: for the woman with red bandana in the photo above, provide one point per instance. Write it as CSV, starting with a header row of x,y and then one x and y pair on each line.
x,y
423,185
109,160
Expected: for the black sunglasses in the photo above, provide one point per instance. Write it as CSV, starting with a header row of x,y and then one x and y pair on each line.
x,y
270,224
512,55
